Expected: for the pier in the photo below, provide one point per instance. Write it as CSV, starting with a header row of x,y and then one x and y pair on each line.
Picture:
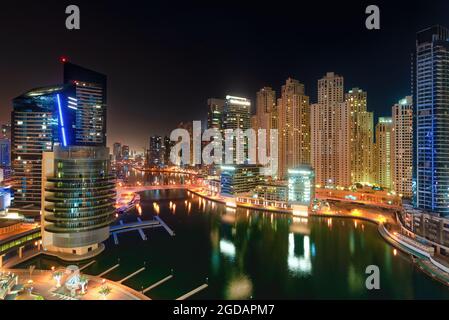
x,y
154,285
131,275
170,231
87,265
109,270
191,293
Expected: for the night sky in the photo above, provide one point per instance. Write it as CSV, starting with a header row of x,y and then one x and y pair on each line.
x,y
165,59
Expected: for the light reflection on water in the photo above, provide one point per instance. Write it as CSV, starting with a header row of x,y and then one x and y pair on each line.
x,y
245,253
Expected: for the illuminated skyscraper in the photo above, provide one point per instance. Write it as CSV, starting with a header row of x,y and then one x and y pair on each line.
x,y
78,200
432,118
265,103
383,166
156,151
331,133
294,127
361,136
90,89
402,151
40,118
237,115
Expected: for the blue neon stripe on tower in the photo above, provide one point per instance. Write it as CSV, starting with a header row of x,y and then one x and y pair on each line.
x,y
61,121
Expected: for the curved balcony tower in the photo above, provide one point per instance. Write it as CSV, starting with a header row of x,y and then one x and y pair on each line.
x,y
78,201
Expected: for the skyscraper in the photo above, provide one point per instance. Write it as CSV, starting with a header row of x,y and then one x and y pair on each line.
x,y
78,200
117,151
90,89
215,113
330,128
294,127
265,103
237,115
156,151
40,118
384,152
432,118
402,151
361,136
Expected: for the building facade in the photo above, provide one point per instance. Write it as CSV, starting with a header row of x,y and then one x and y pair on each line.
x,y
361,137
330,133
215,113
237,115
78,195
156,151
238,179
90,87
117,151
272,191
294,127
41,118
432,118
301,185
402,151
384,144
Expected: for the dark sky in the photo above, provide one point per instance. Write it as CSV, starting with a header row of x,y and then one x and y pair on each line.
x,y
164,59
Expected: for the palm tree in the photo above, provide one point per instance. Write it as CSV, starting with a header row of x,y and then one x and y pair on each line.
x,y
83,281
57,276
104,291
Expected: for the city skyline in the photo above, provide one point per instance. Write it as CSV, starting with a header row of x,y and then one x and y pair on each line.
x,y
200,75
226,152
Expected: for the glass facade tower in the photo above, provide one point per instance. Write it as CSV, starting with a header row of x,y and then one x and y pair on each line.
x,y
40,118
90,89
432,120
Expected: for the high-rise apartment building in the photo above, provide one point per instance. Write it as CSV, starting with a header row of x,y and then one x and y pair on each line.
x,y
40,118
330,133
402,150
384,144
265,103
78,195
294,127
431,111
237,115
361,137
90,87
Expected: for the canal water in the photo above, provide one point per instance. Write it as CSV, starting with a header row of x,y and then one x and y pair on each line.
x,y
244,254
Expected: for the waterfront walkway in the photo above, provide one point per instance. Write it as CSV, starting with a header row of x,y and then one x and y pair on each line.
x,y
423,259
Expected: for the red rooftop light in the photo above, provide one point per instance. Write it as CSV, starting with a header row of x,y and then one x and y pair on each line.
x,y
64,59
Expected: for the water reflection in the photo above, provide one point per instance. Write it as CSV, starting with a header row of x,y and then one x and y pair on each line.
x,y
301,265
